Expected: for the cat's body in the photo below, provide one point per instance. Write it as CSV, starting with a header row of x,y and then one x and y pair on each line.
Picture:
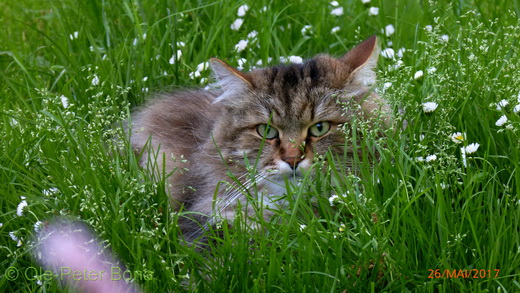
x,y
207,134
275,119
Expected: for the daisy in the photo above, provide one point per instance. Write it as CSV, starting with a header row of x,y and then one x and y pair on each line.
x,y
429,107
431,158
21,207
334,199
470,149
458,137
501,121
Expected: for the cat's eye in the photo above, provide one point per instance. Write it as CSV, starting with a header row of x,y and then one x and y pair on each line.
x,y
267,131
319,129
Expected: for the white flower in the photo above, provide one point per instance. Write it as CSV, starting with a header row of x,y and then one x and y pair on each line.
x,y
95,80
388,53
175,57
431,70
252,35
430,158
445,38
1,225
194,74
337,11
21,206
145,78
389,30
400,52
334,3
418,74
302,227
458,137
334,199
242,10
181,44
50,191
335,29
37,226
242,44
516,109
470,149
419,159
202,66
502,104
74,35
429,107
241,62
365,1
387,85
373,11
501,121
306,29
295,59
237,24
428,28
64,101
13,236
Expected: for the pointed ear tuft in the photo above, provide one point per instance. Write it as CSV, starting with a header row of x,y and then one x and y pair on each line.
x,y
231,80
363,59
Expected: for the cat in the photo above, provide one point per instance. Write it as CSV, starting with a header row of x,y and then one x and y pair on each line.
x,y
275,118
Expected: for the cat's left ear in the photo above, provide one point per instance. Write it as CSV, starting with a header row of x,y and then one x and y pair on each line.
x,y
363,59
232,81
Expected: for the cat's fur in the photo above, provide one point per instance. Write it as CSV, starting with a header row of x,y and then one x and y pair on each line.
x,y
206,134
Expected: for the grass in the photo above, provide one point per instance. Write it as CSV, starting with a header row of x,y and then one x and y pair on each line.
x,y
391,231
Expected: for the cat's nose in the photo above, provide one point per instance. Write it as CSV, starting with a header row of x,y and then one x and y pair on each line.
x,y
293,161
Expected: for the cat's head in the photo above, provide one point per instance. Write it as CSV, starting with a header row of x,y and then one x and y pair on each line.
x,y
280,117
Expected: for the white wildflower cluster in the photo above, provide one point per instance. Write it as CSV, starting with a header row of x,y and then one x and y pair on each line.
x,y
242,11
74,35
505,106
201,68
336,9
306,30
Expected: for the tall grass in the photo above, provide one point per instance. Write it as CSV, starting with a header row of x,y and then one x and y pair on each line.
x,y
72,72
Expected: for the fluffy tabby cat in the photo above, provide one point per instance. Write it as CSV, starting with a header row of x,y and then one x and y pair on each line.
x,y
282,115
276,118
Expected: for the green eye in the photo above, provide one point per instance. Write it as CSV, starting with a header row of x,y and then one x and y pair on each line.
x,y
267,131
319,129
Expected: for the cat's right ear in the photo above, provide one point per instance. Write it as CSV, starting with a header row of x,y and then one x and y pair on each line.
x,y
232,81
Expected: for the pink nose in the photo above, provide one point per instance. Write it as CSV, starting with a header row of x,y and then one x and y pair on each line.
x,y
293,161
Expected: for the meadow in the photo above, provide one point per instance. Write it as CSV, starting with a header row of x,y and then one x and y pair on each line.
x,y
439,210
